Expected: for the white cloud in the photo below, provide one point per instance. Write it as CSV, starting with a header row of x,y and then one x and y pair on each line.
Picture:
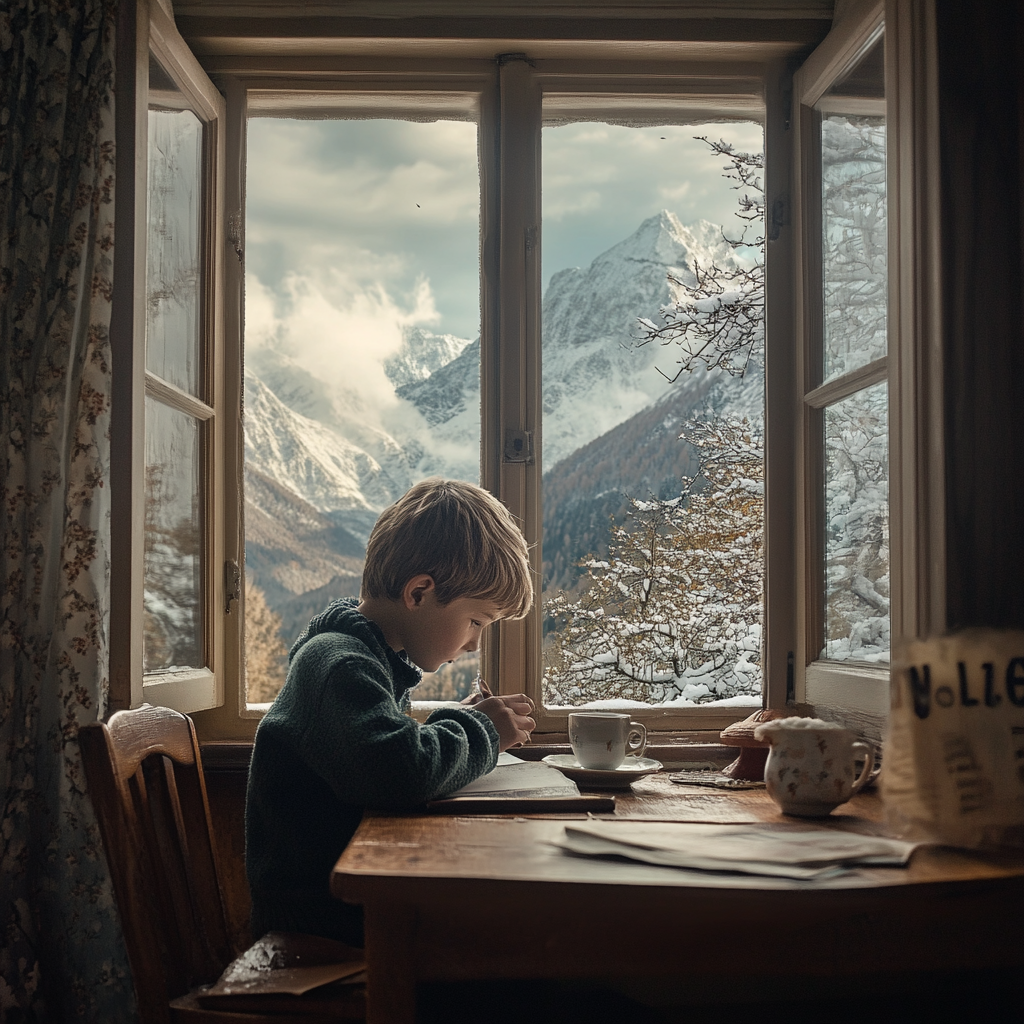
x,y
675,194
383,202
339,331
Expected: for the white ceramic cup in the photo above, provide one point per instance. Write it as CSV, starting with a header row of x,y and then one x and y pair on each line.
x,y
810,768
603,739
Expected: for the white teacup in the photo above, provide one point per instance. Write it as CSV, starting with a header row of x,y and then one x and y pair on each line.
x,y
603,739
810,769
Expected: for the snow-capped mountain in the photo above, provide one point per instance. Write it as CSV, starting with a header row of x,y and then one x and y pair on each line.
x,y
311,460
594,377
422,353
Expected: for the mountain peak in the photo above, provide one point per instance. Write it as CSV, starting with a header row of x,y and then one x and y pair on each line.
x,y
664,239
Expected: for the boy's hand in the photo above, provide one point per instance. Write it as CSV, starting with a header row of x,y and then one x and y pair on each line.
x,y
510,698
511,717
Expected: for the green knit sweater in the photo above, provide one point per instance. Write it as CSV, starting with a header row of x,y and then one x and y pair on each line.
x,y
335,742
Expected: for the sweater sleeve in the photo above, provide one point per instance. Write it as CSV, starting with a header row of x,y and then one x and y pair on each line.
x,y
355,737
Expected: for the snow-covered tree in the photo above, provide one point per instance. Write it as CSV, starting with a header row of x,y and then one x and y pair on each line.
x,y
718,322
857,528
854,241
266,657
674,613
171,609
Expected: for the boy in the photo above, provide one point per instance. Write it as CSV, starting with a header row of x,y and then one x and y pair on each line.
x,y
442,563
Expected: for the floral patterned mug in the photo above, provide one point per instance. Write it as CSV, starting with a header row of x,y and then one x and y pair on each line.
x,y
810,769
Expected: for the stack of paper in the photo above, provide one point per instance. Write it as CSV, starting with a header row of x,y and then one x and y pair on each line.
x,y
513,777
754,849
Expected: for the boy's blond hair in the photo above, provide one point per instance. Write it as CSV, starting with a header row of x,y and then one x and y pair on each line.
x,y
456,533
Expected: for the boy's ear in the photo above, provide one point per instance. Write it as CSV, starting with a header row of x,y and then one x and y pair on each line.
x,y
416,590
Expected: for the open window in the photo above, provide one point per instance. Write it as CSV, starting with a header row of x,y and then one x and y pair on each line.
x,y
612,484
869,495
846,369
534,118
169,585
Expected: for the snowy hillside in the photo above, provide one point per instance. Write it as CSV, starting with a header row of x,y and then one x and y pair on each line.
x,y
310,459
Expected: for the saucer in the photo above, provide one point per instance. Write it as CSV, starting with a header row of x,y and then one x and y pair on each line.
x,y
631,769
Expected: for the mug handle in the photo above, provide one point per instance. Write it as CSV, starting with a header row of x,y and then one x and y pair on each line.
x,y
639,731
869,764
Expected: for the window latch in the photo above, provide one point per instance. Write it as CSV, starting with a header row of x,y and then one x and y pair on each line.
x,y
780,216
232,585
235,235
519,446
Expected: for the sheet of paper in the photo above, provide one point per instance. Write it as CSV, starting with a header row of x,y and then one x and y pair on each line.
x,y
748,849
513,777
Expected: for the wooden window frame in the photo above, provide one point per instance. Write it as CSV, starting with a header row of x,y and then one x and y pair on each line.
x,y
851,692
508,101
145,30
609,90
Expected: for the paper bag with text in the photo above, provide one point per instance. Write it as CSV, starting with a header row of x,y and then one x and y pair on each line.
x,y
954,754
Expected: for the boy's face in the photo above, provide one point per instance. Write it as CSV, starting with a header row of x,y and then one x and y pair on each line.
x,y
434,633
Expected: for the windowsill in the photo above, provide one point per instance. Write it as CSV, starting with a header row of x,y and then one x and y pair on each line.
x,y
663,720
672,751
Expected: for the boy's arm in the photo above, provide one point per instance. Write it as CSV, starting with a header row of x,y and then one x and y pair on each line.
x,y
370,753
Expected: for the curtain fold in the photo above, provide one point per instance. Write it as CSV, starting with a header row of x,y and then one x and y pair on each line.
x,y
61,952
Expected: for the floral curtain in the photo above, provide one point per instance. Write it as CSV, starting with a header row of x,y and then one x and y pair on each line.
x,y
61,952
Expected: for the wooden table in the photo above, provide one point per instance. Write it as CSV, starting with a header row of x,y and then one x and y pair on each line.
x,y
433,888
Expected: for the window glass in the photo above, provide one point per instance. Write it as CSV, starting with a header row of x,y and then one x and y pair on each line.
x,y
173,235
652,445
173,543
362,356
173,551
855,574
853,208
857,527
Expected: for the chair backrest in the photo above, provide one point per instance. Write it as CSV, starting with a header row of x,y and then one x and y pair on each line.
x,y
146,783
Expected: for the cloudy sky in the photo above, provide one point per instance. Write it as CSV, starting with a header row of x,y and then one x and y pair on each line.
x,y
355,229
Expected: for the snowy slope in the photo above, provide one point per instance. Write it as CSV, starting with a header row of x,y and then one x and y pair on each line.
x,y
310,459
422,353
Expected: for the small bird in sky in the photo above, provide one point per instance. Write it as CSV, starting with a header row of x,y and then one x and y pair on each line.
x,y
417,206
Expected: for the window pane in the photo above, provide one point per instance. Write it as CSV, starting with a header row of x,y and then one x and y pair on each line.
x,y
854,241
652,547
173,562
857,527
362,365
173,235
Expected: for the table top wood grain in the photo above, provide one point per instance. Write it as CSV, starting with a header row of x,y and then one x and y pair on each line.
x,y
518,848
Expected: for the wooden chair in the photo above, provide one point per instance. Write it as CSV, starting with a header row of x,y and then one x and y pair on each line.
x,y
146,782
